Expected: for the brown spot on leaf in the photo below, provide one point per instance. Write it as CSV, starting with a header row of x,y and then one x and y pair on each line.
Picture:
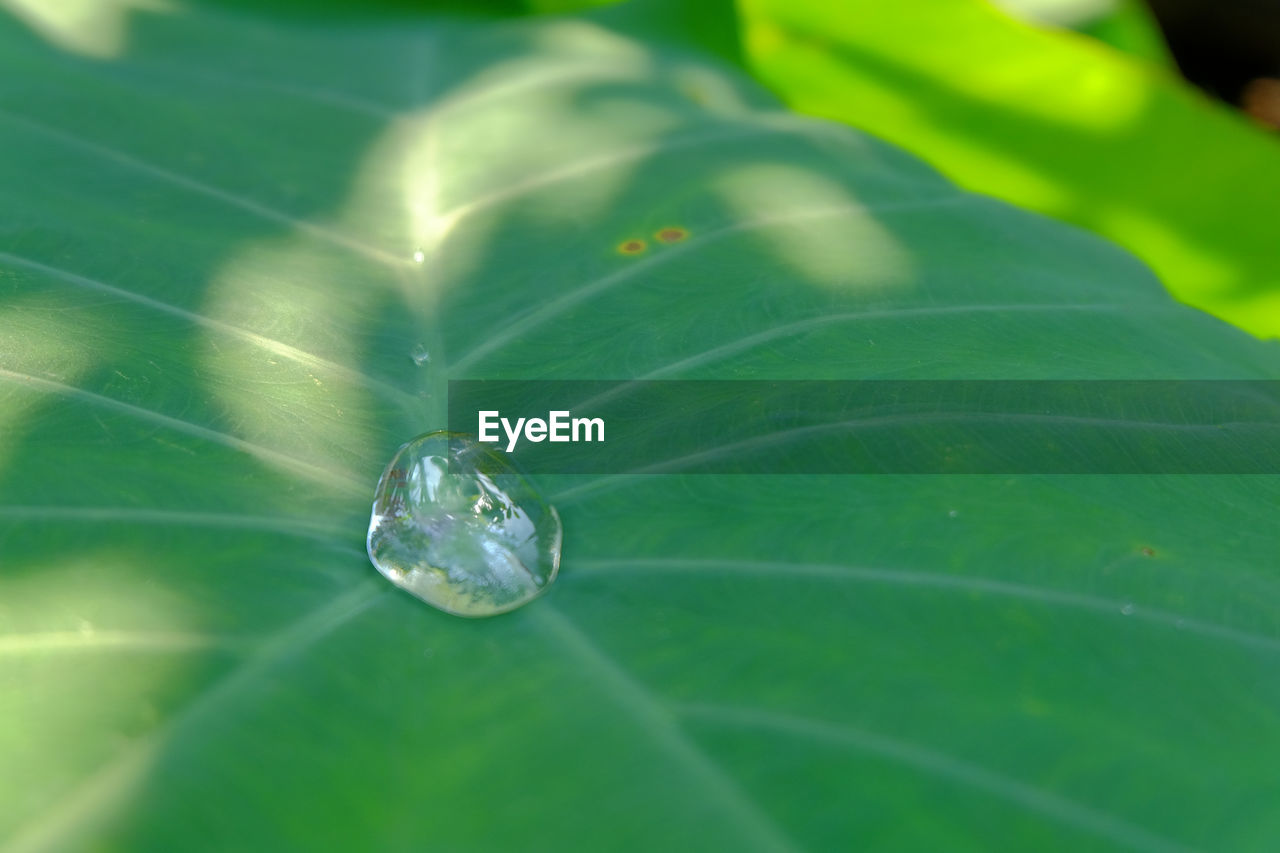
x,y
671,235
631,247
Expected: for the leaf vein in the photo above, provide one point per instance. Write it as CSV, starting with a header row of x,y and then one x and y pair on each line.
x,y
940,765
112,155
657,723
555,307
81,806
339,479
934,581
269,344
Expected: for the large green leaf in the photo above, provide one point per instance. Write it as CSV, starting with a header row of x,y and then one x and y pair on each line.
x,y
1052,121
208,328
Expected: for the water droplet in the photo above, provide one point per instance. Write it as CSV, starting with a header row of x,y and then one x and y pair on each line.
x,y
1127,609
419,256
458,526
953,512
420,355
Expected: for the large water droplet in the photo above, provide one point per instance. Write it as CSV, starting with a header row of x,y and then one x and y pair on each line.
x,y
458,526
420,355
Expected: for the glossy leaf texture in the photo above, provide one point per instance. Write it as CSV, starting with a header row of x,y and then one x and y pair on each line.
x,y
1050,120
242,256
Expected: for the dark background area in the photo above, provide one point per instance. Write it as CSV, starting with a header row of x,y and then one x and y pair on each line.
x,y
1230,49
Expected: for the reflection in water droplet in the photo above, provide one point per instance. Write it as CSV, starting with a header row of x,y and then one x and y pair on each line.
x,y
420,355
1127,609
458,526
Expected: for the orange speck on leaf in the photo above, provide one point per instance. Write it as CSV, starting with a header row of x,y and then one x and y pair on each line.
x,y
671,235
631,247
1148,552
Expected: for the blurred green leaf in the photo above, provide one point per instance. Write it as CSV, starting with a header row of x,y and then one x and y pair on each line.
x,y
1052,121
1127,25
211,323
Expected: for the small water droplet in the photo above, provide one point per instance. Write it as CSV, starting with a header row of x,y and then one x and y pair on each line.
x,y
953,513
458,526
1127,609
85,628
420,355
419,256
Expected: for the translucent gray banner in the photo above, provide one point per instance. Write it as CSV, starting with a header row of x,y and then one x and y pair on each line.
x,y
876,426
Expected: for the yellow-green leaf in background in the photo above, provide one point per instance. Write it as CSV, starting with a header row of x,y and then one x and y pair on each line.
x,y
1127,25
1050,120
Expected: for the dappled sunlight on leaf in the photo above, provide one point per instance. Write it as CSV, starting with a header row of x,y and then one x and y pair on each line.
x,y
834,251
73,631
95,28
40,353
289,388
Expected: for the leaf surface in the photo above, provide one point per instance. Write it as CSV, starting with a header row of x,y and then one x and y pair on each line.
x,y
211,319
